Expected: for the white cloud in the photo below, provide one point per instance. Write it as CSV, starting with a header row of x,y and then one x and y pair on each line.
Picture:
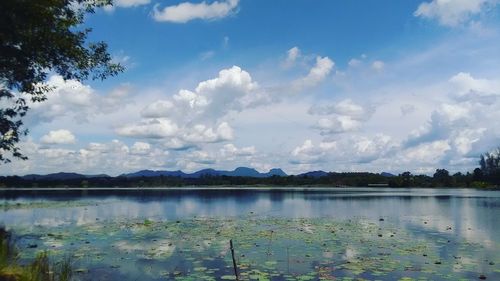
x,y
291,57
344,116
201,157
230,151
66,98
317,73
452,12
337,124
293,54
428,152
154,128
130,3
192,117
187,11
178,144
308,153
456,116
351,150
354,62
140,148
465,139
345,107
125,4
459,129
113,157
157,109
466,87
71,98
408,109
378,65
200,133
58,137
368,149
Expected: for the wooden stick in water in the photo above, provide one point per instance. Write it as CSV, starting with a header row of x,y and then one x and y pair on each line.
x,y
234,260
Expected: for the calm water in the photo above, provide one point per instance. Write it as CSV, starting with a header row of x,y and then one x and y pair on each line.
x,y
315,234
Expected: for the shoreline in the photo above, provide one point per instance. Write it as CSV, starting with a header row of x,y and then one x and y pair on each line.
x,y
240,187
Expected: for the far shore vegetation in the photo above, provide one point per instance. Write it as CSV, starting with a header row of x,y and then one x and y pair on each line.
x,y
487,175
40,269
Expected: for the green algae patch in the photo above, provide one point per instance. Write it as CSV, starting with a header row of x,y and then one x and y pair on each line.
x,y
8,205
266,248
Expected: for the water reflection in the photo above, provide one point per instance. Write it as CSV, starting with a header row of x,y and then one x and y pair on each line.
x,y
469,214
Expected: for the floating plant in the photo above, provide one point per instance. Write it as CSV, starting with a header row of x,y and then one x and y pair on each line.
x,y
266,248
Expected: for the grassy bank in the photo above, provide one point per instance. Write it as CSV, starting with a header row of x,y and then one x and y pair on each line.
x,y
41,269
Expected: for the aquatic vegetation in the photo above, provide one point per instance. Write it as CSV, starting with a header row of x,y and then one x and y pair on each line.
x,y
40,269
6,205
266,248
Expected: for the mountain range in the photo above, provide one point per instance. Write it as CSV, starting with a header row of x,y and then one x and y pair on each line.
x,y
238,172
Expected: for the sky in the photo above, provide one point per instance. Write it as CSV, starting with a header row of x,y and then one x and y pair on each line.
x,y
300,85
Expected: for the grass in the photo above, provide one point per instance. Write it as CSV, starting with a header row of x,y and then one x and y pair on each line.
x,y
41,269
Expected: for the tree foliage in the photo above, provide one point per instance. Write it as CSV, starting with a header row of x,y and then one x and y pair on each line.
x,y
490,166
38,38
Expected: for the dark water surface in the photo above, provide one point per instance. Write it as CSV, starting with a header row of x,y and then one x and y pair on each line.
x,y
292,234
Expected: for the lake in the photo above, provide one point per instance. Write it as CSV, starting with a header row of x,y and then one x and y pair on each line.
x,y
278,234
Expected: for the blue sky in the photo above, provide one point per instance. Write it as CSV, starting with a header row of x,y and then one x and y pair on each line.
x,y
302,85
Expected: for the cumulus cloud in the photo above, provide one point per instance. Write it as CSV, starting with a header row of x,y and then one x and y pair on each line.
x,y
459,129
317,73
344,107
368,149
441,124
344,116
140,148
154,128
468,88
351,150
71,98
473,102
191,117
157,109
187,11
452,13
200,133
178,144
230,151
308,153
429,153
337,124
201,157
68,97
58,137
113,157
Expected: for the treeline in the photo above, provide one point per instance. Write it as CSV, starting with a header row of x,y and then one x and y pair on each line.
x,y
441,178
486,175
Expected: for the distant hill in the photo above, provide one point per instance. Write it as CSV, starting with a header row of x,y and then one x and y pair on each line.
x,y
61,176
276,172
150,174
238,172
314,174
